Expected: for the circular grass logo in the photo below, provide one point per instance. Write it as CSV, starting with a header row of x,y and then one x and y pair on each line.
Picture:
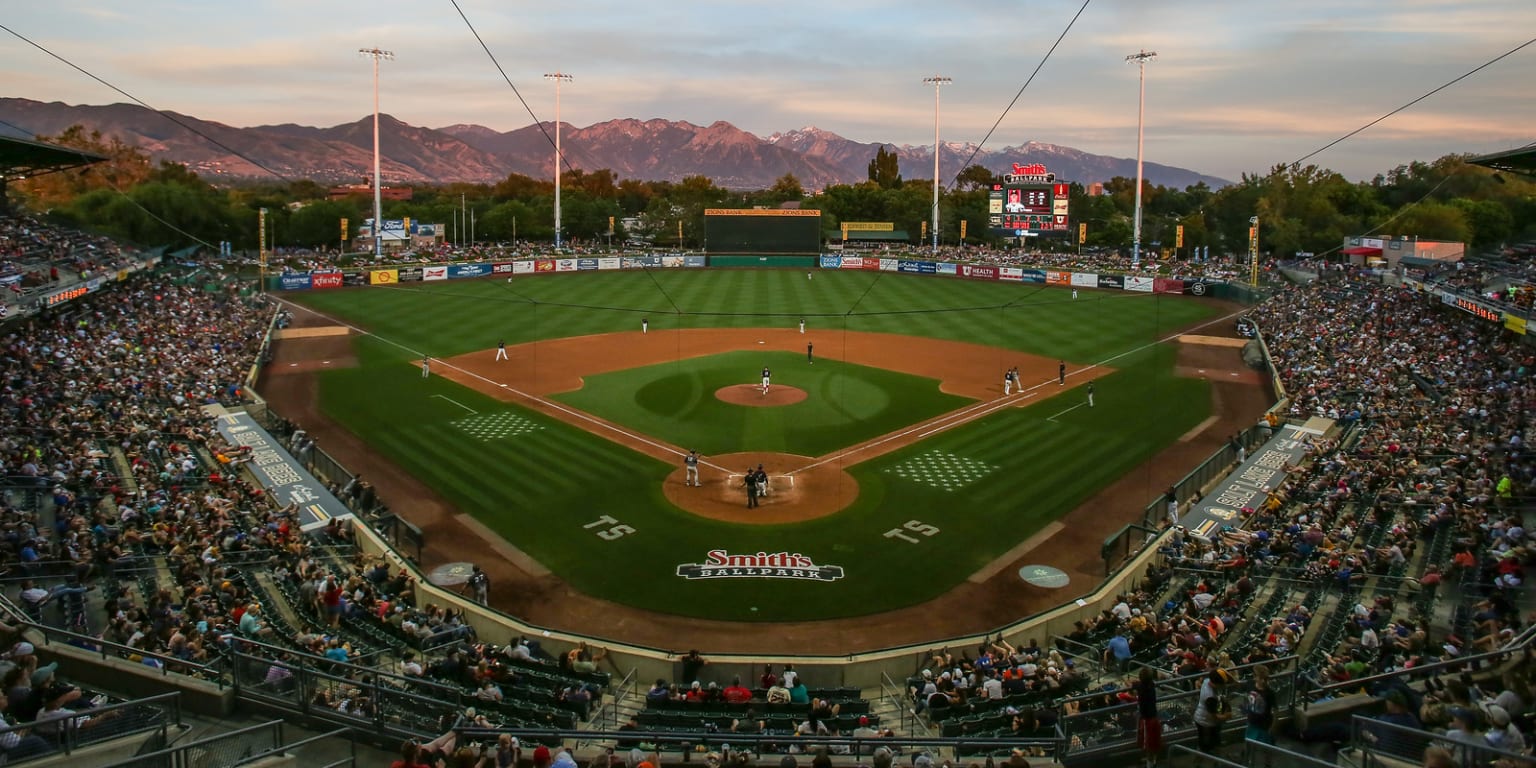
x,y
720,564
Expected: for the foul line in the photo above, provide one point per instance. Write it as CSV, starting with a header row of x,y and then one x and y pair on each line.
x,y
1067,411
975,411
459,404
573,413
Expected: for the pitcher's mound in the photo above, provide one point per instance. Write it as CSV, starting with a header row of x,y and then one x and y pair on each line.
x,y
752,394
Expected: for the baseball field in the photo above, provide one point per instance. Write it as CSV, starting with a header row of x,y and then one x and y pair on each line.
x,y
898,468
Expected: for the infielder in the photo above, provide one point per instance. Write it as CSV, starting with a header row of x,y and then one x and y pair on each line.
x,y
426,366
1061,374
1090,394
691,462
1008,382
802,325
765,379
501,350
645,325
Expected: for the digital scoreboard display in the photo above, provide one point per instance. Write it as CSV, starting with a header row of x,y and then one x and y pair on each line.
x,y
1029,202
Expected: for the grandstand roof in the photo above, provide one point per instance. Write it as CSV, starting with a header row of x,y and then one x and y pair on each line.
x,y
24,157
1521,161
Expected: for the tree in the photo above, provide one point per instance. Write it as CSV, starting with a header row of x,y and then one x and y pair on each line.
x,y
885,170
785,189
977,177
124,167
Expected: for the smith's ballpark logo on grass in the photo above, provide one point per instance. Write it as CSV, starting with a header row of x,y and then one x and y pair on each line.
x,y
720,564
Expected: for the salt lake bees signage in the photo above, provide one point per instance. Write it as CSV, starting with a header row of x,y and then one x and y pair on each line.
x,y
720,564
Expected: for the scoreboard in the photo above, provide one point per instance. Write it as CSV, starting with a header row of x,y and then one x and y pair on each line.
x,y
1031,201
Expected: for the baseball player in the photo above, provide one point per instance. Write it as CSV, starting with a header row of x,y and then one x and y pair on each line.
x,y
1090,394
765,379
501,350
426,366
1008,382
1061,374
762,481
691,462
1074,293
802,325
810,356
645,325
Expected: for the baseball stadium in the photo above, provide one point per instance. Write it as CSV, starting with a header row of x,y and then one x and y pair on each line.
x,y
765,502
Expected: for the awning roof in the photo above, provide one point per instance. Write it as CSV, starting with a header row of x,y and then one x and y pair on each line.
x,y
1361,251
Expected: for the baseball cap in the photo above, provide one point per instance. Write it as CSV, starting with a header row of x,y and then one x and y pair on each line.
x,y
863,720
541,754
23,649
43,673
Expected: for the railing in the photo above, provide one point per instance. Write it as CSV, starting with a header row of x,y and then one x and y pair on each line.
x,y
607,713
896,697
215,671
1311,693
246,745
767,744
1113,728
72,732
1214,467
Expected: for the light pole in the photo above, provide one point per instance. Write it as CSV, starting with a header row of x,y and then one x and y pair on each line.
x,y
558,77
378,200
937,81
1140,60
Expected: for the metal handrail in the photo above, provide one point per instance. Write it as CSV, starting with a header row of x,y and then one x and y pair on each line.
x,y
102,646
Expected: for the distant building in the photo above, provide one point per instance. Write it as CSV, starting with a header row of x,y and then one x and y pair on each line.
x,y
1388,252
366,190
1096,189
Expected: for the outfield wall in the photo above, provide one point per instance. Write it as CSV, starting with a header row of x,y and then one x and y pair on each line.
x,y
1189,286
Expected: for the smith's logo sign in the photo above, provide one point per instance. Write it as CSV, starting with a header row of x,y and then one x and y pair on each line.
x,y
719,564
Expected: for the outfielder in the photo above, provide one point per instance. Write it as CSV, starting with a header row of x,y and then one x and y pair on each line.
x,y
765,379
691,462
426,366
501,350
1090,394
802,325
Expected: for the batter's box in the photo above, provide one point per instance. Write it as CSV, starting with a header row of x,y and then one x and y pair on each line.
x,y
494,426
942,469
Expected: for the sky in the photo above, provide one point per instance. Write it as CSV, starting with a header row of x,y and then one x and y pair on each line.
x,y
1238,86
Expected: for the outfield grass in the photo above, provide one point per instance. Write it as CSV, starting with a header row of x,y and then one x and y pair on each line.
x,y
554,490
845,404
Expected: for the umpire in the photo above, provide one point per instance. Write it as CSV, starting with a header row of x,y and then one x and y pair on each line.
x,y
751,483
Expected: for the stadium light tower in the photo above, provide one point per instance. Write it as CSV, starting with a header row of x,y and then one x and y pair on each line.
x,y
937,81
558,77
1140,60
378,200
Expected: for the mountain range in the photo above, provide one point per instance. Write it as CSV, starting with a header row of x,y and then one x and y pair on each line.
x,y
639,149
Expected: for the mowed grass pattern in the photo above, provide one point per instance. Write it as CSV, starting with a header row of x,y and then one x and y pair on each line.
x,y
845,403
554,492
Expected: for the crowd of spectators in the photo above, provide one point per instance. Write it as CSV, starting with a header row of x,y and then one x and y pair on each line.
x,y
35,255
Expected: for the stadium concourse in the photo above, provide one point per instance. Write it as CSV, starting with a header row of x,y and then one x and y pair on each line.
x,y
1399,545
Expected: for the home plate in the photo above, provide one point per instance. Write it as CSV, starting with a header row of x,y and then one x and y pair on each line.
x,y
760,341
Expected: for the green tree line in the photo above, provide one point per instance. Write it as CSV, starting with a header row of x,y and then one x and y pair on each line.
x,y
1305,209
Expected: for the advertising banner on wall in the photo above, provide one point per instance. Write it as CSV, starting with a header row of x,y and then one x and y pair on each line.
x,y
1250,483
1112,281
282,475
831,262
1032,275
457,271
1197,288
609,262
383,277
434,273
586,265
354,277
945,268
565,265
917,267
694,262
1085,280
294,281
672,262
1167,285
889,265
978,271
502,268
1515,323
524,267
409,274
544,265
1011,274
851,262
1054,277
1139,284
